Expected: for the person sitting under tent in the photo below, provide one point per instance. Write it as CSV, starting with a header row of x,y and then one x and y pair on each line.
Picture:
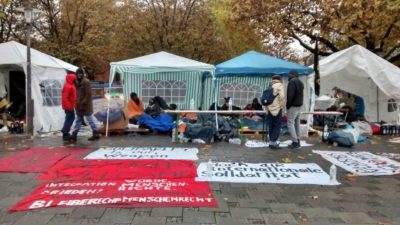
x,y
135,108
256,106
4,106
360,107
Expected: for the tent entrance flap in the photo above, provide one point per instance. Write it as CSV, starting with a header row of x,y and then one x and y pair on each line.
x,y
16,92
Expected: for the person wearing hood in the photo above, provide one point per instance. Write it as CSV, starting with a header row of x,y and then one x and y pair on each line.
x,y
293,104
274,111
135,108
84,106
68,100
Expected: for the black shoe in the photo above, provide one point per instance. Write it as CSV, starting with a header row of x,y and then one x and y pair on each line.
x,y
275,147
294,145
66,137
95,137
73,138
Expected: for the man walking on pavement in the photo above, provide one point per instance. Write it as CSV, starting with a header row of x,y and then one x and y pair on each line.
x,y
84,106
294,102
68,101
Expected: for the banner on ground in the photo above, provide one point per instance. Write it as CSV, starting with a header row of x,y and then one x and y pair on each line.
x,y
279,173
144,153
70,170
145,193
36,160
362,163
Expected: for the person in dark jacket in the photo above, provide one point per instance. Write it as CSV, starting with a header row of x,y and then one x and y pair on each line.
x,y
68,100
294,101
84,106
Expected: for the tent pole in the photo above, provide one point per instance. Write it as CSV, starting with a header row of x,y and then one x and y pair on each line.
x,y
377,103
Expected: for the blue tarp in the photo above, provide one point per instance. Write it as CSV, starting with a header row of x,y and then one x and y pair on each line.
x,y
161,123
254,63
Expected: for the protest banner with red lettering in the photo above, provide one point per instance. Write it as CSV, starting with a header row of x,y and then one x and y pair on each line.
x,y
82,169
145,193
36,160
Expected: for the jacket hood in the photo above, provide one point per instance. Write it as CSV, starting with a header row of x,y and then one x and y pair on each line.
x,y
70,78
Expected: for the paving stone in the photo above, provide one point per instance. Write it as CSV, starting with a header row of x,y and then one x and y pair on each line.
x,y
88,212
245,213
141,220
30,219
62,220
255,194
249,203
6,218
277,219
9,201
318,213
361,218
57,210
232,221
162,212
222,205
198,217
118,215
284,208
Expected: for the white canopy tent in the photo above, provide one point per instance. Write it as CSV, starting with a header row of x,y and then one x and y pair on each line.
x,y
358,71
48,77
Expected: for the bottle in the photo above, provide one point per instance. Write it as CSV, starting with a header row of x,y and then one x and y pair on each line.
x,y
332,174
174,135
230,103
209,168
192,104
325,133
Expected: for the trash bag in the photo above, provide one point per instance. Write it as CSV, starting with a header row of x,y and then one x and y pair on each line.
x,y
342,138
114,115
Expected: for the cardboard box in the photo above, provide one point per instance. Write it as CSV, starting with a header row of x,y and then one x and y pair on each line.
x,y
120,124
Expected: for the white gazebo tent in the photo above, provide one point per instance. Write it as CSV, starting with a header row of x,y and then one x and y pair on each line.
x,y
358,71
48,77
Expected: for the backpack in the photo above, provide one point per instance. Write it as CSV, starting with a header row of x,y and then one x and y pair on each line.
x,y
267,97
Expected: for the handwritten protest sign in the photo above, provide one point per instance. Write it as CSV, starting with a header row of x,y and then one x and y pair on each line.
x,y
120,193
294,173
144,153
35,160
362,163
69,170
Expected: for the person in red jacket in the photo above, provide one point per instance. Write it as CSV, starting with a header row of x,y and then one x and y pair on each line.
x,y
68,100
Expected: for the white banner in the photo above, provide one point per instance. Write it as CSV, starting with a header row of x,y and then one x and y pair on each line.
x,y
144,153
279,173
362,163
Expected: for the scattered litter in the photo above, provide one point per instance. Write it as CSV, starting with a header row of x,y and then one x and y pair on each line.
x,y
256,144
235,141
286,160
351,177
301,157
198,141
395,140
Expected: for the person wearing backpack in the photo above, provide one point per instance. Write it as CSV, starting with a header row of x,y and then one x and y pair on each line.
x,y
293,104
273,102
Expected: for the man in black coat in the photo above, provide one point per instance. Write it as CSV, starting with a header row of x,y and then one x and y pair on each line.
x,y
293,104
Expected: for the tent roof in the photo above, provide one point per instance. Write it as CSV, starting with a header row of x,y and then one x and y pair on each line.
x,y
256,63
161,61
15,53
358,62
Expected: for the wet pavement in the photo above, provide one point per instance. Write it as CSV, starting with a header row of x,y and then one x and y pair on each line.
x,y
357,201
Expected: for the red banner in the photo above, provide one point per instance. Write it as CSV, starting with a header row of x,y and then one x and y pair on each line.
x,y
35,160
121,193
83,169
